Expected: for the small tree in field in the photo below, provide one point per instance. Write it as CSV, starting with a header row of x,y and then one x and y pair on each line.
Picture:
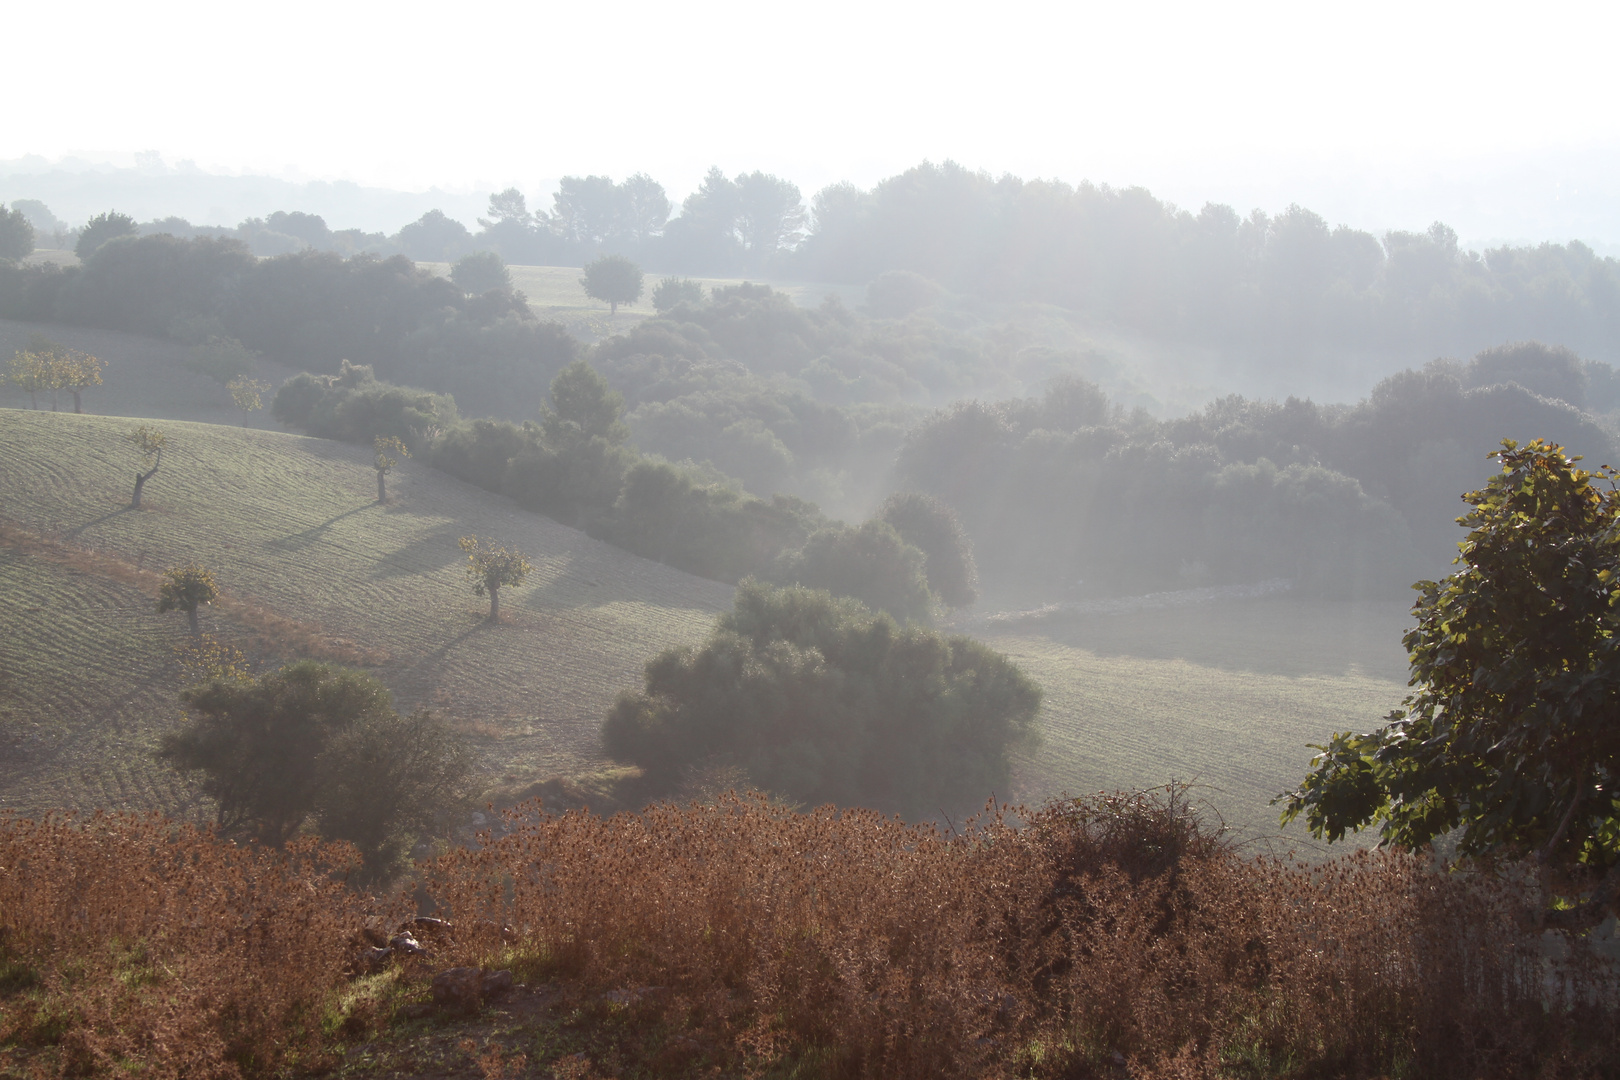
x,y
491,568
31,372
150,442
671,291
184,589
612,278
79,371
383,463
247,394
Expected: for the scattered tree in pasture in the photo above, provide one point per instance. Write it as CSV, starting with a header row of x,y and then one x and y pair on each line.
x,y
79,371
383,446
16,234
318,744
613,279
671,291
481,272
32,373
150,442
101,229
248,394
185,588
819,699
222,359
1510,739
929,525
491,567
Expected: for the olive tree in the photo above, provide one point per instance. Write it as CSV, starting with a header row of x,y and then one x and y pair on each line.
x,y
613,279
150,442
492,567
1509,741
384,446
672,291
78,372
185,588
247,394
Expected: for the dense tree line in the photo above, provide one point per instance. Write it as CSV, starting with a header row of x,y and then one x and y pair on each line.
x,y
1067,487
310,309
575,465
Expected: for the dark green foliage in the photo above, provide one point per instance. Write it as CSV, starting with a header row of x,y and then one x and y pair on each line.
x,y
820,700
930,526
16,234
583,406
481,272
102,228
315,743
355,406
664,513
1510,737
869,563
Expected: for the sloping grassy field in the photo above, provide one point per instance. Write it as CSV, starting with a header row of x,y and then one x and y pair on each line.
x,y
1224,695
311,565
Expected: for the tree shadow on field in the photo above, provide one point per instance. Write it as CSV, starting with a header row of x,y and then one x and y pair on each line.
x,y
300,540
73,533
423,555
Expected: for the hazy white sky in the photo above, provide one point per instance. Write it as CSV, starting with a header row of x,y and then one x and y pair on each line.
x,y
1500,118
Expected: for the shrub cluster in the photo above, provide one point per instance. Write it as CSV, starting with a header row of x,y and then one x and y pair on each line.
x,y
820,700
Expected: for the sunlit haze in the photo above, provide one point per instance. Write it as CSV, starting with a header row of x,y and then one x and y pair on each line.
x,y
1497,118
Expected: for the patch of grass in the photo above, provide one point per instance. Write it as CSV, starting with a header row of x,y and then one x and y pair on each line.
x,y
309,565
1227,696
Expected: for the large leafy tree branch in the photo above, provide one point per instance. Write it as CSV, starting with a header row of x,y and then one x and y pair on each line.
x,y
1512,736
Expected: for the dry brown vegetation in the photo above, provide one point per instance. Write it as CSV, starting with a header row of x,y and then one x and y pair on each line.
x,y
133,943
1105,937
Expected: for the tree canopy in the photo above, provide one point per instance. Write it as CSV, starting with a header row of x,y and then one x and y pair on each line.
x,y
613,279
820,700
1510,738
315,744
16,234
481,272
102,228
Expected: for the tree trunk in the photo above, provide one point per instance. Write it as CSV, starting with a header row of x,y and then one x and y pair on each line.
x,y
191,616
142,478
76,407
613,309
495,604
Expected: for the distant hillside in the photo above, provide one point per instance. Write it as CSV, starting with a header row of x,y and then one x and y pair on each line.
x,y
310,565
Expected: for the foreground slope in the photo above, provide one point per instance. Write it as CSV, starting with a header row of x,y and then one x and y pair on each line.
x,y
311,566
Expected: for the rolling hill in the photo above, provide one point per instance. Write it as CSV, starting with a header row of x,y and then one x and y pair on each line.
x,y
309,565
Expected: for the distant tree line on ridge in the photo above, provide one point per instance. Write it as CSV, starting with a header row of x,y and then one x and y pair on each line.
x,y
1279,281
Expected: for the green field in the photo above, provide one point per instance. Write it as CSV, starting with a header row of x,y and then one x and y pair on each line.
x,y
292,531
1223,695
